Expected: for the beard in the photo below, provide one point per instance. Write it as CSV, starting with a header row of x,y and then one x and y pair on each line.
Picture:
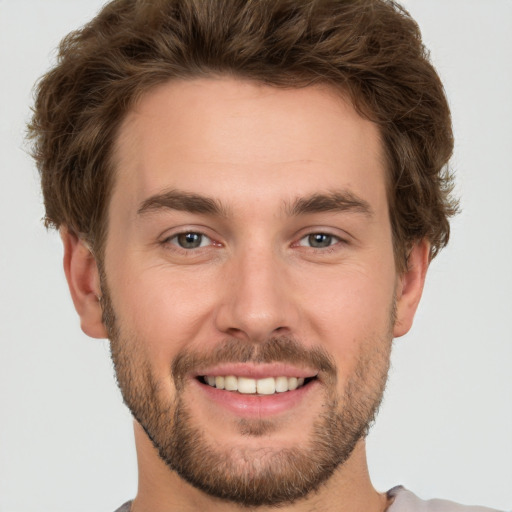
x,y
247,476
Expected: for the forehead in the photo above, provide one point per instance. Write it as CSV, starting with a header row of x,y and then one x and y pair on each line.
x,y
232,139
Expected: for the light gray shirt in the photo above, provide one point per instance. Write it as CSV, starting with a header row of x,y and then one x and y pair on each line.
x,y
405,501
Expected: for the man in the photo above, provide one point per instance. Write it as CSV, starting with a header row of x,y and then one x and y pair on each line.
x,y
249,195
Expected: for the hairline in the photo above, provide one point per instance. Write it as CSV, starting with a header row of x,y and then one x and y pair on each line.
x,y
113,158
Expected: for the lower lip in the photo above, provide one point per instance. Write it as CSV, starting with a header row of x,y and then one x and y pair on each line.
x,y
251,406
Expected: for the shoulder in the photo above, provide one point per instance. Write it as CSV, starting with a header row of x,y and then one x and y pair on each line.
x,y
125,508
406,501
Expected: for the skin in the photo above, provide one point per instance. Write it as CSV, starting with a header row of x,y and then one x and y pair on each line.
x,y
255,150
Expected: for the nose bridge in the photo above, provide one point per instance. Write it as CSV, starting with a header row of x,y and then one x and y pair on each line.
x,y
258,303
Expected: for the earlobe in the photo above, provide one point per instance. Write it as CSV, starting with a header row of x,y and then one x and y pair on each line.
x,y
84,284
410,287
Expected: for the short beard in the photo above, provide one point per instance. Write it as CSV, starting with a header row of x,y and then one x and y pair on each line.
x,y
249,477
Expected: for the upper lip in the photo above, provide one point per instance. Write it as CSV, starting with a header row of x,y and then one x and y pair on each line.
x,y
256,371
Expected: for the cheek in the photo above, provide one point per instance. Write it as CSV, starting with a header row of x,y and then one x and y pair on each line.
x,y
351,297
350,311
164,310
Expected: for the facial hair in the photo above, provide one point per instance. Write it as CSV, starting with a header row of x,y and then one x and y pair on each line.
x,y
268,477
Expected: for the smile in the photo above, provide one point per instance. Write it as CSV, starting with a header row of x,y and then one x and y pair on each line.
x,y
248,386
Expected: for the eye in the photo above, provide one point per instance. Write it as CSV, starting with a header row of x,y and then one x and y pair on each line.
x,y
318,240
189,240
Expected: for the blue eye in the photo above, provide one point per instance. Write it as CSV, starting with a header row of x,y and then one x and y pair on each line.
x,y
319,240
190,240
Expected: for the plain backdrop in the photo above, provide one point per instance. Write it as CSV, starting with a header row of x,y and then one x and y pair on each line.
x,y
445,428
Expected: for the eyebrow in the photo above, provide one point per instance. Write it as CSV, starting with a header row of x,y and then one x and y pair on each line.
x,y
338,201
182,201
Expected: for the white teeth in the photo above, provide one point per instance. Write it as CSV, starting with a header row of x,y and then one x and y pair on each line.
x,y
246,385
219,382
231,383
292,383
265,386
281,384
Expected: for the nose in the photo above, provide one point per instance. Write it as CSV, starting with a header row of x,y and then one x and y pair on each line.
x,y
257,299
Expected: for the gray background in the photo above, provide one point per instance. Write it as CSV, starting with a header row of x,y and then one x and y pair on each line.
x,y
445,428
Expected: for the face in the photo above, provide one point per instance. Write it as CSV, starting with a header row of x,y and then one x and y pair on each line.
x,y
249,284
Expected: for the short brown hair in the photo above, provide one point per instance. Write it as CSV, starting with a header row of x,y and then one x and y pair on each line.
x,y
371,50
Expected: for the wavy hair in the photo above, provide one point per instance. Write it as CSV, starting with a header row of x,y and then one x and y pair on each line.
x,y
370,50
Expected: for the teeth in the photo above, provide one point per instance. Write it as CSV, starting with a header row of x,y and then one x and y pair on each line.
x,y
293,382
281,384
246,385
231,383
266,386
219,382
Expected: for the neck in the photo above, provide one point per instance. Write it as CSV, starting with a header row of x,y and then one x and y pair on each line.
x,y
160,489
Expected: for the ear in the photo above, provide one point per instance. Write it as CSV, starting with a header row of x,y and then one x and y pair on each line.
x,y
84,284
410,287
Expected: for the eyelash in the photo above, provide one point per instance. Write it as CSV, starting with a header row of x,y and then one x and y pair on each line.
x,y
174,240
333,241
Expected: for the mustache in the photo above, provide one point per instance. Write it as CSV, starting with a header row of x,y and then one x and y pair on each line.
x,y
281,349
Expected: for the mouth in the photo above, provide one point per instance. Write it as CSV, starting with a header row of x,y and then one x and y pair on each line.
x,y
262,386
257,391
